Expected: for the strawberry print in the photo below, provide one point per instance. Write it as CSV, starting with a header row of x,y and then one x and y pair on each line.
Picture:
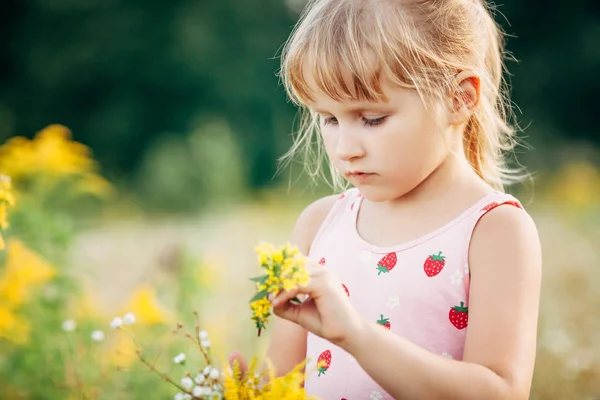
x,y
324,362
434,264
385,322
387,263
496,204
490,206
346,289
514,203
459,316
322,261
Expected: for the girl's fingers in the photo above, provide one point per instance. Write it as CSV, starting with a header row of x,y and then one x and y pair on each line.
x,y
284,297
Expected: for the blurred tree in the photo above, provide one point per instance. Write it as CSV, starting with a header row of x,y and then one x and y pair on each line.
x,y
122,73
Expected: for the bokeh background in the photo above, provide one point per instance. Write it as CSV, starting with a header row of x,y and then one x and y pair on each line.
x,y
142,140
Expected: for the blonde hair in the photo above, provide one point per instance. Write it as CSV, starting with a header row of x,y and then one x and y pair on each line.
x,y
419,44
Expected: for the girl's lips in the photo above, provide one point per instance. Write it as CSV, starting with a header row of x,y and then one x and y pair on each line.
x,y
360,177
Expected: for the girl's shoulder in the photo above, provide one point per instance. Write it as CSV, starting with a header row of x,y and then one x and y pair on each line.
x,y
506,231
317,214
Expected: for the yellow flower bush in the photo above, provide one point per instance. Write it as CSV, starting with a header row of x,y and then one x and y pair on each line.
x,y
23,271
52,153
284,267
206,382
254,386
145,305
7,199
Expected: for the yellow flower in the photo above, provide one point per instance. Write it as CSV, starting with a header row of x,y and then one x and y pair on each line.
x,y
577,185
53,153
123,351
146,307
247,387
24,269
7,199
284,270
278,257
265,252
12,327
261,310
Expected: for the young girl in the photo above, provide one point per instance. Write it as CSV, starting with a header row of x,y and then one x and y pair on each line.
x,y
425,276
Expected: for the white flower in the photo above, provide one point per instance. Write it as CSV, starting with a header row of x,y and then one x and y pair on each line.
x,y
392,302
456,278
97,336
215,396
179,358
199,379
187,383
197,391
203,335
365,256
205,344
214,374
207,370
129,319
376,395
467,269
69,325
117,322
183,396
200,391
444,354
178,396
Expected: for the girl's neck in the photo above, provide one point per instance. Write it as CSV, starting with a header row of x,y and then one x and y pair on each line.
x,y
453,181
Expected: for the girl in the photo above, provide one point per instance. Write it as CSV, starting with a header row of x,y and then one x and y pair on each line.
x,y
425,276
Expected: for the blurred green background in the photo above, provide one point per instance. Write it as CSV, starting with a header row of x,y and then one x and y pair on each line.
x,y
183,118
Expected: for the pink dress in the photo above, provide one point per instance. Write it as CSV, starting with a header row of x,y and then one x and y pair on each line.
x,y
418,290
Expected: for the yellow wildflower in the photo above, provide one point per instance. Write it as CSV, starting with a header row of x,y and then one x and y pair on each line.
x,y
12,327
23,269
122,352
278,257
284,270
53,153
261,310
6,200
247,387
146,307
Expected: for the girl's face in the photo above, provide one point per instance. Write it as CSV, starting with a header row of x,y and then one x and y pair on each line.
x,y
386,149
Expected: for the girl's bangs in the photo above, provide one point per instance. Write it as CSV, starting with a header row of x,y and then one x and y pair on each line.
x,y
343,66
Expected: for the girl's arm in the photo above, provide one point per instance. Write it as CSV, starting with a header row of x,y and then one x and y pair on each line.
x,y
287,347
505,262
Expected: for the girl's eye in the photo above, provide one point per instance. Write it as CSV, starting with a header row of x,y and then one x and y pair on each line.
x,y
374,121
330,120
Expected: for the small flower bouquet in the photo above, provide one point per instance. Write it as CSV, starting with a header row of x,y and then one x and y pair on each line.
x,y
210,383
284,270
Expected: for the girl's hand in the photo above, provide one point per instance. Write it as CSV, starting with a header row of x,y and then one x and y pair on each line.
x,y
326,312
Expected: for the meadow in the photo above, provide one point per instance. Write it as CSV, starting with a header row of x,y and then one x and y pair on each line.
x,y
78,252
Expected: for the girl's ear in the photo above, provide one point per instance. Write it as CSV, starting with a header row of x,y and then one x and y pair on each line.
x,y
465,98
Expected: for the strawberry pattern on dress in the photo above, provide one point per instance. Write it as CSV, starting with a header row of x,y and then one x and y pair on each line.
x,y
425,300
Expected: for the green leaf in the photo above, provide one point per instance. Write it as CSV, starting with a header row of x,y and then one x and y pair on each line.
x,y
259,295
260,279
296,300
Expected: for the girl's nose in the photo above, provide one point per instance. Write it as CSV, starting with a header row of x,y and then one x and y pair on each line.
x,y
348,146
